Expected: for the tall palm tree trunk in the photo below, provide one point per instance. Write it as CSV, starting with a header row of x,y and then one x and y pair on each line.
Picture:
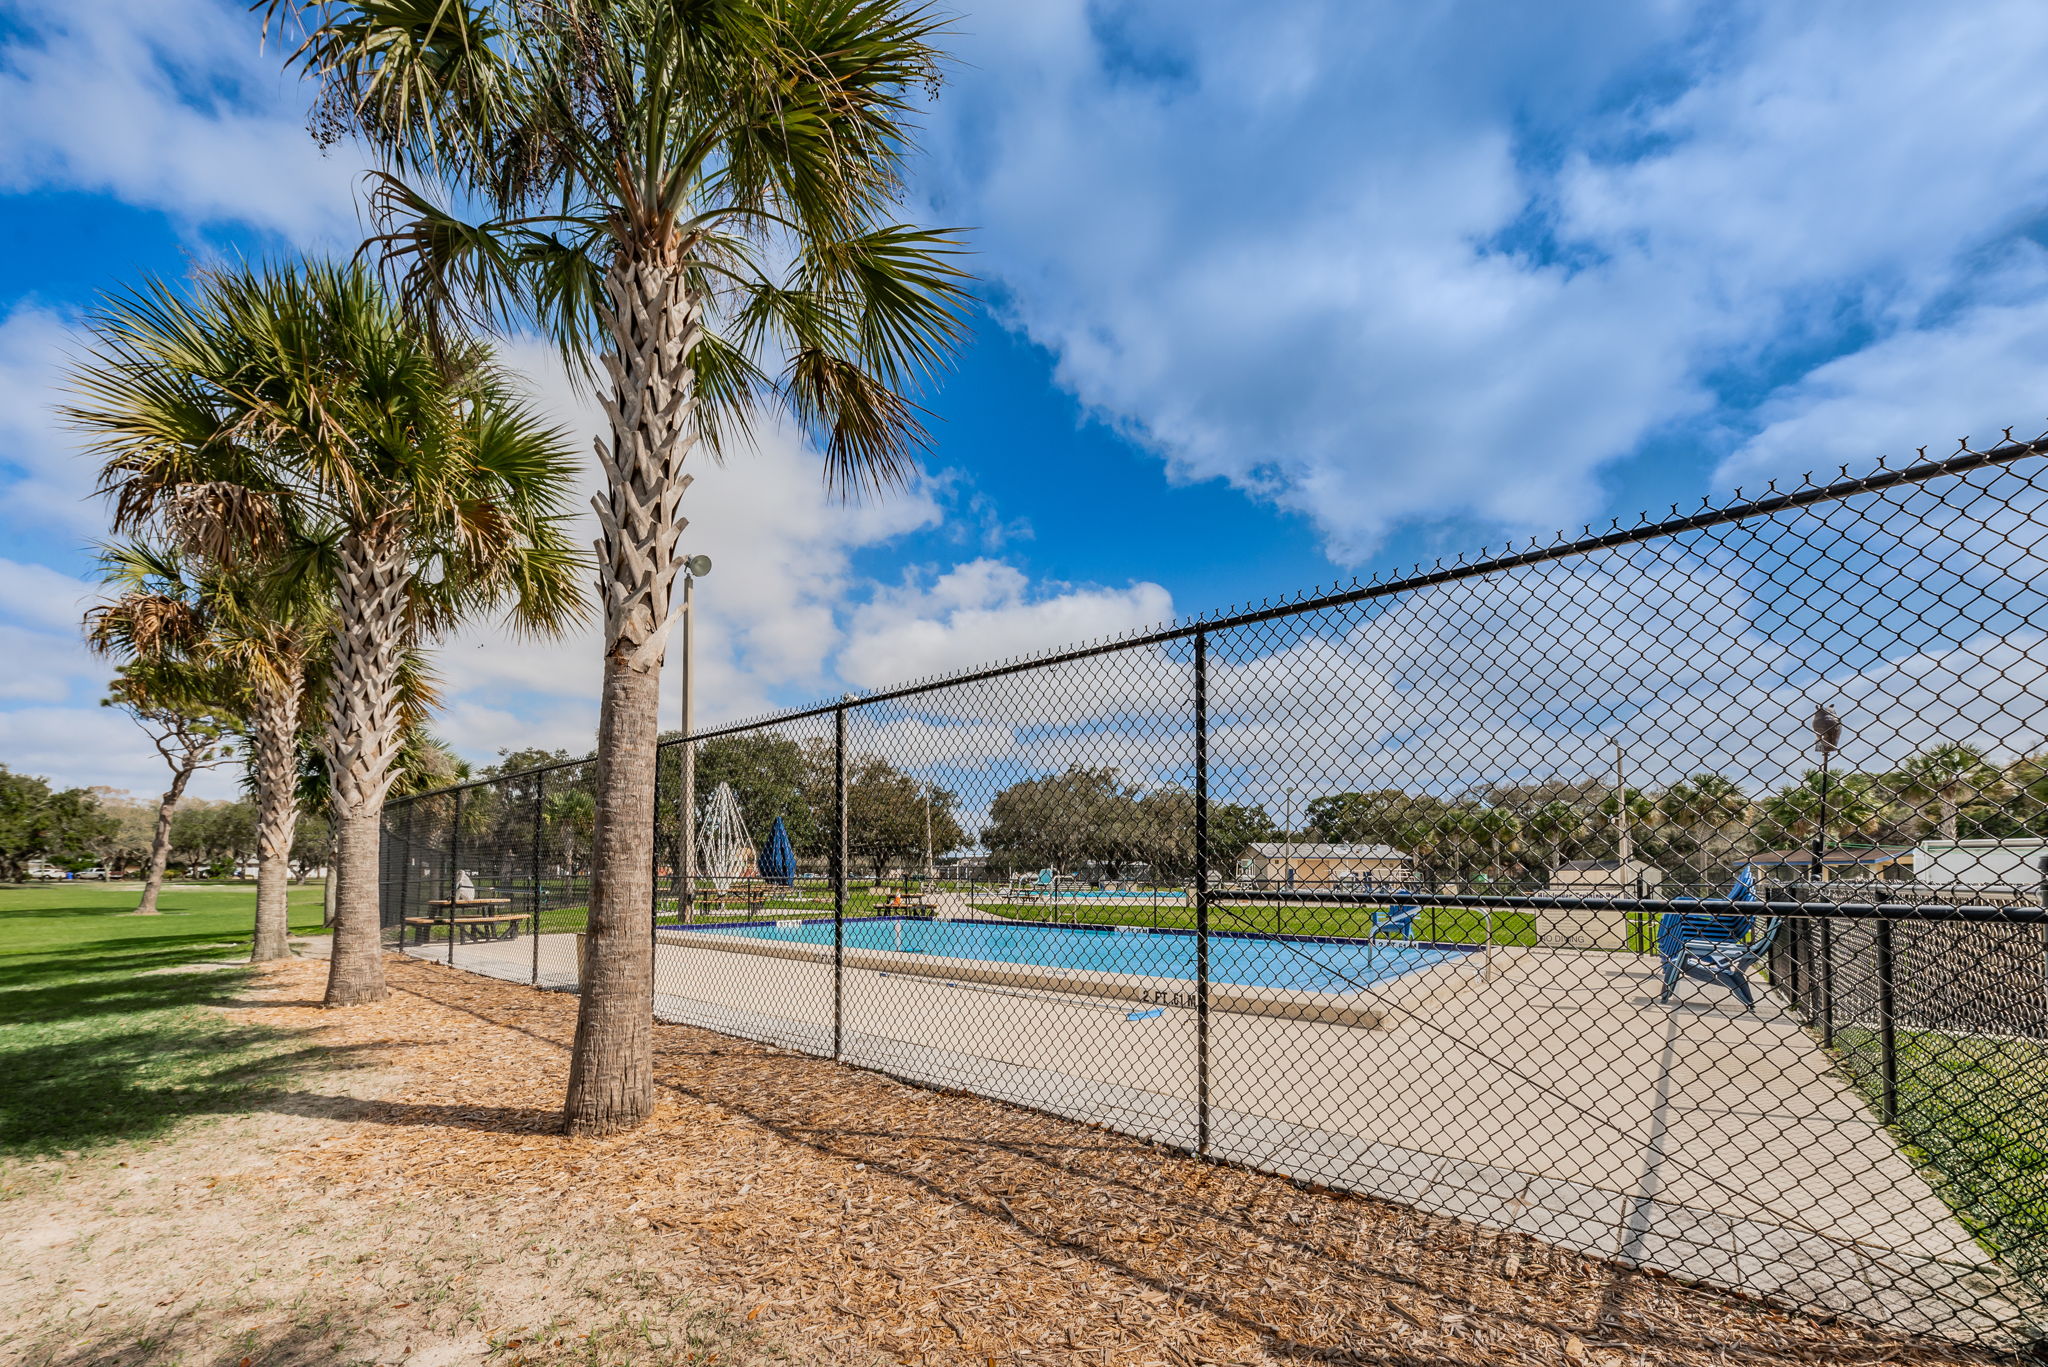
x,y
655,324
329,883
362,740
275,722
160,843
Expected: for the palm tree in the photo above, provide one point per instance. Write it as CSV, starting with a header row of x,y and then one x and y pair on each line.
x,y
1712,817
261,622
573,816
425,488
1945,777
185,708
1851,804
702,195
1550,824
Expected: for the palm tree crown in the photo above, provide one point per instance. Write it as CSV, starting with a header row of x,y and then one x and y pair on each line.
x,y
751,147
701,194
297,417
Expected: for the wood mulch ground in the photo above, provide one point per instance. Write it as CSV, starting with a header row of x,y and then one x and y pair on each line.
x,y
851,1219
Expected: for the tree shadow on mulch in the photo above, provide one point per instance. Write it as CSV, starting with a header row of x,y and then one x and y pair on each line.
x,y
425,1115
1318,1276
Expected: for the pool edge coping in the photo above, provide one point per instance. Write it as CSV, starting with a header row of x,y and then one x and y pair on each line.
x,y
1378,1006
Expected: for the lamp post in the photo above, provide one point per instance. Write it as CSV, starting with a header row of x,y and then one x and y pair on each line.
x,y
931,870
1827,738
687,798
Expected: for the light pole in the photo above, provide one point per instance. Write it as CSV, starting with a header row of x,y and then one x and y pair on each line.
x,y
931,871
686,903
1290,837
1827,738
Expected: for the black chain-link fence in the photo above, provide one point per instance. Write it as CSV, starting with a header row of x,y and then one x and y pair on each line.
x,y
1674,894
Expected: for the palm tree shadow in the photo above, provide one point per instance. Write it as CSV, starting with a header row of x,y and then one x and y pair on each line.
x,y
417,1114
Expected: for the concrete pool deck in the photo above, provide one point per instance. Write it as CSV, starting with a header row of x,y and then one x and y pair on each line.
x,y
1558,1099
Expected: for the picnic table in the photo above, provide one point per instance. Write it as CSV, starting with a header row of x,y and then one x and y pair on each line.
x,y
473,928
752,897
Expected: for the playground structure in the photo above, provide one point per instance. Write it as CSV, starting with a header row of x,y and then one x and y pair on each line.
x,y
724,853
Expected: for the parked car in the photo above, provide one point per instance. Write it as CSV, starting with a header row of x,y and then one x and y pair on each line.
x,y
47,873
101,874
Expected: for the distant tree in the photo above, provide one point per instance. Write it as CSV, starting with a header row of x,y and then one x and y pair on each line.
x,y
1551,828
186,711
885,817
2025,808
214,836
1855,805
1700,825
1233,830
519,761
62,825
1061,821
1381,816
1166,839
134,822
571,817
770,777
1939,781
311,845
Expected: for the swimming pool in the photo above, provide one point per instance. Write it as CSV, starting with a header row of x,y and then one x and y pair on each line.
x,y
1300,964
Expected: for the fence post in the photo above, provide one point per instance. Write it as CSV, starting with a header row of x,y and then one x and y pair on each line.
x,y
540,802
1795,986
404,878
839,880
1202,893
1887,1025
454,872
1827,982
2044,946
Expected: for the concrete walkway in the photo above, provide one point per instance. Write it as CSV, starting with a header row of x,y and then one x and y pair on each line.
x,y
1560,1100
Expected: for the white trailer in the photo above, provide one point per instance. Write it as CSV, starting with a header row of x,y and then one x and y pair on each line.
x,y
2010,864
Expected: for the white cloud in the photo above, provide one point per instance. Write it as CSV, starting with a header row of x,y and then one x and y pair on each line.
x,y
1289,253
44,487
37,595
87,746
171,105
1968,375
981,611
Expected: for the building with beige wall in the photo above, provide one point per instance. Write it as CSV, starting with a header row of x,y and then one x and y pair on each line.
x,y
1323,865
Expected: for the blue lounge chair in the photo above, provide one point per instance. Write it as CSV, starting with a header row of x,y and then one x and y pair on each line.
x,y
1715,947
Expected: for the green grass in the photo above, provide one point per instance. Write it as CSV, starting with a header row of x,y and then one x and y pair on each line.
x,y
98,1048
1974,1111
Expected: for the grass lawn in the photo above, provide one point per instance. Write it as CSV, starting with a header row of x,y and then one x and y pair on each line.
x,y
1974,1111
99,1045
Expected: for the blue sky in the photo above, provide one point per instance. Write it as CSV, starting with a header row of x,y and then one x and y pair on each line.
x,y
1272,295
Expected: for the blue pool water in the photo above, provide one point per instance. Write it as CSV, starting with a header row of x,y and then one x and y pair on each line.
x,y
1302,964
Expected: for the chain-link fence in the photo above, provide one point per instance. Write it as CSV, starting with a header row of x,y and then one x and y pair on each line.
x,y
1674,894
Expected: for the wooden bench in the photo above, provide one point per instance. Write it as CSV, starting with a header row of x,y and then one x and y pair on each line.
x,y
473,928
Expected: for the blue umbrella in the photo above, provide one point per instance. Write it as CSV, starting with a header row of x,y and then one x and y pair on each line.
x,y
778,860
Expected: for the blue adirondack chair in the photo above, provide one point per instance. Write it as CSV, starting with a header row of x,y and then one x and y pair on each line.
x,y
1396,923
1715,947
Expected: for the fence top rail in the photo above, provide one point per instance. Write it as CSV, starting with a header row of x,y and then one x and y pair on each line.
x,y
1835,911
1740,509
